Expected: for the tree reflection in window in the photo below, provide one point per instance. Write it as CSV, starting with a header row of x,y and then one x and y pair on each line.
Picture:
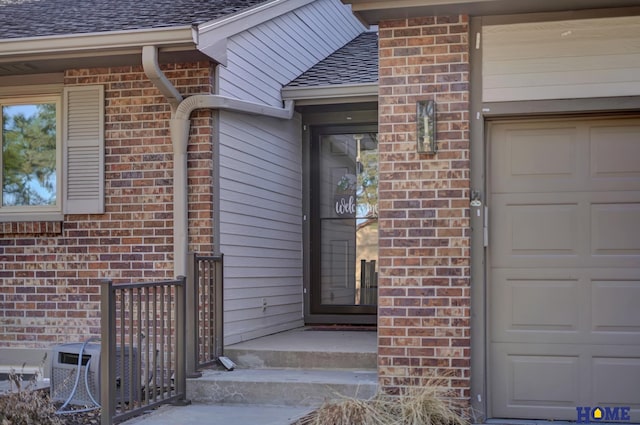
x,y
367,171
29,154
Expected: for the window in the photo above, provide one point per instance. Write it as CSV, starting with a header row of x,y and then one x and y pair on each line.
x,y
31,155
52,160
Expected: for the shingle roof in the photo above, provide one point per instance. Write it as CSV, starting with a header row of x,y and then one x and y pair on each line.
x,y
355,63
35,18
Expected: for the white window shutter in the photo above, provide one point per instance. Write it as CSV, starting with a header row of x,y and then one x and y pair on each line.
x,y
83,151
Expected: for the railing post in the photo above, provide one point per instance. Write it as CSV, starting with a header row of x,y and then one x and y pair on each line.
x,y
181,379
219,308
191,324
107,351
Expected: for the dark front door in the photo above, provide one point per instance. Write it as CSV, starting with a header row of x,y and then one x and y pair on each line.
x,y
344,220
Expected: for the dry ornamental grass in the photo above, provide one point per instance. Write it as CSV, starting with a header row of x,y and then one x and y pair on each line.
x,y
418,406
26,405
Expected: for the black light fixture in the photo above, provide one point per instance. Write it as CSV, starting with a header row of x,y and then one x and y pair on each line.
x,y
426,126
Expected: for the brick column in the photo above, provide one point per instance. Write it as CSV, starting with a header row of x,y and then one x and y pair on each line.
x,y
424,314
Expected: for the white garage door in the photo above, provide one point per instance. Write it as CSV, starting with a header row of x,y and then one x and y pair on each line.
x,y
564,255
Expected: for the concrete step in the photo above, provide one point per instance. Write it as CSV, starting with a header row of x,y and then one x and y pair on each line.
x,y
286,387
260,359
304,349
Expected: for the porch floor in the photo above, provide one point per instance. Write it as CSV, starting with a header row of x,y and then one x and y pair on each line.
x,y
320,339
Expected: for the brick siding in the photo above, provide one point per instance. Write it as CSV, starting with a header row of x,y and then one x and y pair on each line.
x,y
50,272
424,313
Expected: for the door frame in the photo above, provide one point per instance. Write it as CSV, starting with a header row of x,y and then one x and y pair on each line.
x,y
315,284
481,113
356,115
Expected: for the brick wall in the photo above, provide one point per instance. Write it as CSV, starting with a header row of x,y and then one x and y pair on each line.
x,y
50,272
424,317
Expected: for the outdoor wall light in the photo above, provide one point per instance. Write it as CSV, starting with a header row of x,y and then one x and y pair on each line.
x,y
426,126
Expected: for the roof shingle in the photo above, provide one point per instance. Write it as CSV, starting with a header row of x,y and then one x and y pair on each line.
x,y
354,63
37,18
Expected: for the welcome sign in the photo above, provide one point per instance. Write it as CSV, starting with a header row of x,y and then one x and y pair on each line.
x,y
345,196
345,206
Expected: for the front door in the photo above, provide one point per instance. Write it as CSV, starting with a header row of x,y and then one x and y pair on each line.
x,y
344,221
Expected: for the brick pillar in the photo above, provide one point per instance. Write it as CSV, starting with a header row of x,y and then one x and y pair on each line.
x,y
424,314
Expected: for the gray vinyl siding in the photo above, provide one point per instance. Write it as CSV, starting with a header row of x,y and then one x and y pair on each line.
x,y
261,168
585,58
261,60
261,224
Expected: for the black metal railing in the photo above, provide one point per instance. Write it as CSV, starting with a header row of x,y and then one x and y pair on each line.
x,y
204,320
143,347
155,335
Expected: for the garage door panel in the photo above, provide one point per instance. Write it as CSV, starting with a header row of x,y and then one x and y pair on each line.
x,y
615,228
613,377
615,309
585,306
530,383
549,381
614,156
544,228
539,230
522,160
543,380
552,156
585,229
528,152
529,309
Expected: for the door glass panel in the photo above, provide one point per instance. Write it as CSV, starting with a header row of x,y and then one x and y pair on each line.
x,y
348,219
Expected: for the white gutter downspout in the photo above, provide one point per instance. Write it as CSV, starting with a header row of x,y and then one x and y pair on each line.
x,y
179,128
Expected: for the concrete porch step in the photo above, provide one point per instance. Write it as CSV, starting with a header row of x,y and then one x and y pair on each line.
x,y
308,349
287,387
278,379
261,359
301,367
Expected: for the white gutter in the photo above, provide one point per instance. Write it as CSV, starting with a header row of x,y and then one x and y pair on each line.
x,y
179,128
374,11
108,42
216,101
336,93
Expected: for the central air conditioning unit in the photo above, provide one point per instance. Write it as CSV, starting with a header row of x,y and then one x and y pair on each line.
x,y
65,362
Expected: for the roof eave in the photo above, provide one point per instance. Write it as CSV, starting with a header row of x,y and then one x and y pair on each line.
x,y
374,11
335,93
101,43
